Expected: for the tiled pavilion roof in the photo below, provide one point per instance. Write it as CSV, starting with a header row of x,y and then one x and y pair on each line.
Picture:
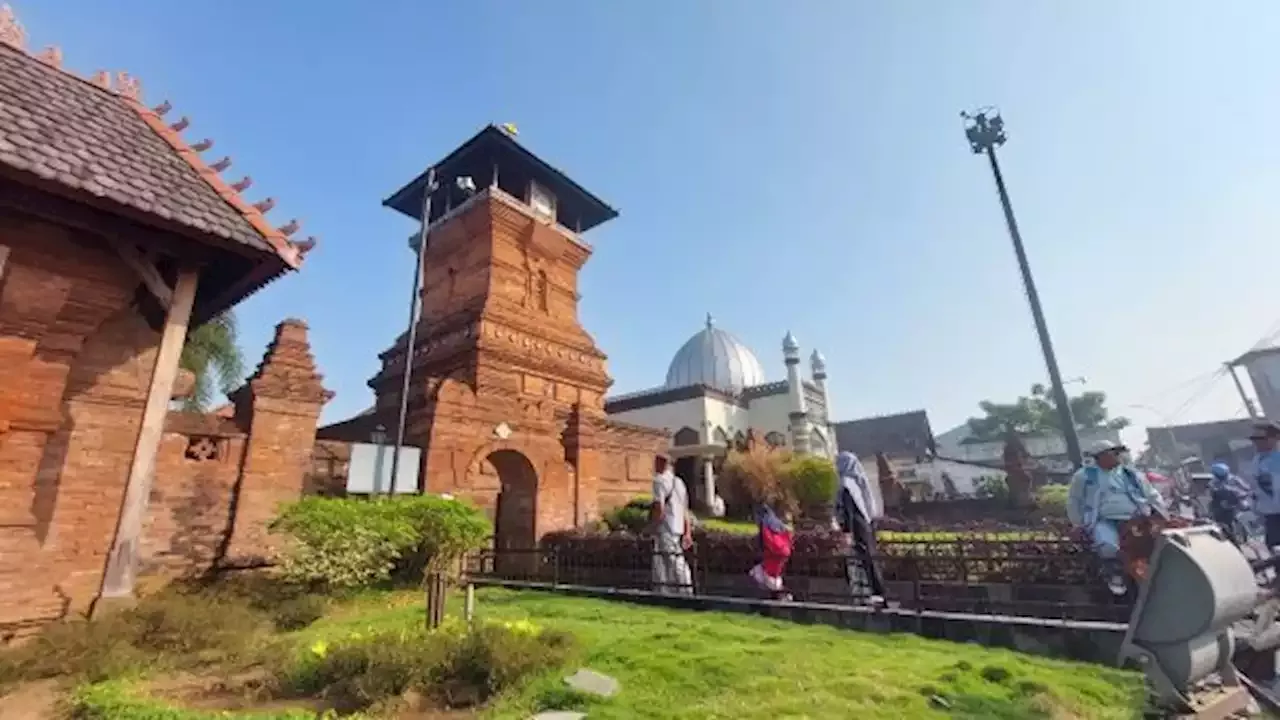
x,y
95,136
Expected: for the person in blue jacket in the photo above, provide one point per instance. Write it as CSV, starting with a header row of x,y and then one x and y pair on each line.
x,y
1105,494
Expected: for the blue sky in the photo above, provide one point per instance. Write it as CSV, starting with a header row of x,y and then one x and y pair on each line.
x,y
793,165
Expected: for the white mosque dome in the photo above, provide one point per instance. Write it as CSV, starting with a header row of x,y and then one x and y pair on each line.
x,y
715,358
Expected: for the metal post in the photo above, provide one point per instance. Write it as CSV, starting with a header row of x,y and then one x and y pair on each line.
x,y
412,333
985,133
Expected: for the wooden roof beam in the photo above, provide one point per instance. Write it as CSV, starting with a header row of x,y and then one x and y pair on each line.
x,y
146,270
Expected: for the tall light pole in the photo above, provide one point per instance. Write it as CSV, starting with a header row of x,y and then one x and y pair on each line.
x,y
411,339
418,243
985,130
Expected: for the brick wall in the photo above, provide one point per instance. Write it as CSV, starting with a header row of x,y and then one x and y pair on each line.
x,y
76,359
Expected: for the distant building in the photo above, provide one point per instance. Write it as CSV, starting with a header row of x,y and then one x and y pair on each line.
x,y
717,394
1049,451
905,439
1196,446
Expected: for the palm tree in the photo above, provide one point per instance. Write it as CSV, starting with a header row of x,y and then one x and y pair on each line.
x,y
212,354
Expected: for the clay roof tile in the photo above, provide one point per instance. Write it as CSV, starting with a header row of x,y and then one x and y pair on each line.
x,y
97,136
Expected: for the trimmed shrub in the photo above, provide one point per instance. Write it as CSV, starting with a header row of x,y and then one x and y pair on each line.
x,y
455,665
351,542
623,560
1052,499
632,517
812,481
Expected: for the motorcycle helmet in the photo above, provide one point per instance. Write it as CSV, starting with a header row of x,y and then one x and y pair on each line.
x,y
1220,471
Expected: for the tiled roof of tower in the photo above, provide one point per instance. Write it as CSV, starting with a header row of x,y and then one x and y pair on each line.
x,y
96,136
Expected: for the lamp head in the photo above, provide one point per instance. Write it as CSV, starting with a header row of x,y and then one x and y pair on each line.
x,y
984,129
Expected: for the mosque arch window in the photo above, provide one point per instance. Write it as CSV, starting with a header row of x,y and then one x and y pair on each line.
x,y
685,436
721,437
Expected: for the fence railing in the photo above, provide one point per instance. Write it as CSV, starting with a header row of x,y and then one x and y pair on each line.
x,y
1053,582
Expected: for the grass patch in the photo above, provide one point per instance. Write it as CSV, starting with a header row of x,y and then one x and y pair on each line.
x,y
169,630
701,665
733,527
370,653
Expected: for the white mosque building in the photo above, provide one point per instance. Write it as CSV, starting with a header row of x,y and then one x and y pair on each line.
x,y
717,394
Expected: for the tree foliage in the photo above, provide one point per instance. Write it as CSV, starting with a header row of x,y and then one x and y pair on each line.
x,y
1036,414
212,354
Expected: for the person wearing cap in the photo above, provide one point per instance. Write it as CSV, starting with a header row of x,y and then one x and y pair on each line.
x,y
1263,473
1229,495
1107,493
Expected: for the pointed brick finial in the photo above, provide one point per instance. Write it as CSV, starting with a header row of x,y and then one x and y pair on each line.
x,y
290,227
244,184
203,145
162,109
288,369
264,206
11,32
181,125
222,164
128,86
102,79
51,56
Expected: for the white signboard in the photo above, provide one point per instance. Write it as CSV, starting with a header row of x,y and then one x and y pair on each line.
x,y
370,470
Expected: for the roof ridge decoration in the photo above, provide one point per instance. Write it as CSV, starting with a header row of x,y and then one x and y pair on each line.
x,y
129,90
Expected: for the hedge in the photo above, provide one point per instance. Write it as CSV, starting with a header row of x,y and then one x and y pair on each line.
x,y
952,558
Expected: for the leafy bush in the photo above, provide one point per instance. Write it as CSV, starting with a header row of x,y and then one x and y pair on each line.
x,y
455,665
756,476
992,486
1052,499
632,517
170,629
812,481
352,542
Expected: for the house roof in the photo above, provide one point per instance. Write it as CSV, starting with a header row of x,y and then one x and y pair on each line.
x,y
903,434
493,147
94,140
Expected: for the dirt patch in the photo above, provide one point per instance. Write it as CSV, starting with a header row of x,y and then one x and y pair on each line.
x,y
251,691
39,700
246,691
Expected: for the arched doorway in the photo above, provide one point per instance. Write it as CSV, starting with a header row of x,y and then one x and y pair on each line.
x,y
516,511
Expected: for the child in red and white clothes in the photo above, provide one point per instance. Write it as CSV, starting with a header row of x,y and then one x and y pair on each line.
x,y
776,540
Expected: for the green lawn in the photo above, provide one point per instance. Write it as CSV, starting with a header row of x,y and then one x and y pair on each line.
x,y
672,665
699,665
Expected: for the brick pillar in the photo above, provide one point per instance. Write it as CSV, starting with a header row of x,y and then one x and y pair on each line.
x,y
280,405
582,443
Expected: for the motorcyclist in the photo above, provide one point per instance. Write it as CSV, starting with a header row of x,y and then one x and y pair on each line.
x,y
1229,495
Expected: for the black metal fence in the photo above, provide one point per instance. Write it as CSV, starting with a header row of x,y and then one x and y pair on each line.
x,y
1052,582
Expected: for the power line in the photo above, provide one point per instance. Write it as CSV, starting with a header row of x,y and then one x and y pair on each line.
x,y
1198,395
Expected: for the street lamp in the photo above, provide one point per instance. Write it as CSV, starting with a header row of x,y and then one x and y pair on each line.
x,y
985,131
418,244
